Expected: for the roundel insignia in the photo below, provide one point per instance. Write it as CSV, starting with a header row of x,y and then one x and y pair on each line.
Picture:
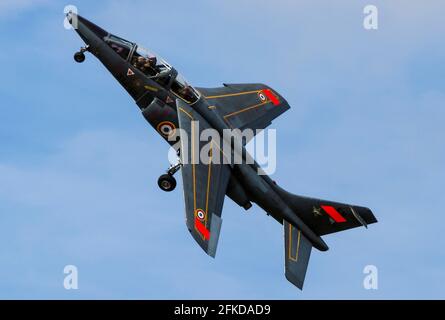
x,y
200,214
166,128
262,96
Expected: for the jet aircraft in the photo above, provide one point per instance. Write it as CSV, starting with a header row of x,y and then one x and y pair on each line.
x,y
168,102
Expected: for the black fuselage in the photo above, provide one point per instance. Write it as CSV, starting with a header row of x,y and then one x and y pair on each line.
x,y
156,98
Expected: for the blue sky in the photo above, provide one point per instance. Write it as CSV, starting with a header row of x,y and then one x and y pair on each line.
x,y
79,164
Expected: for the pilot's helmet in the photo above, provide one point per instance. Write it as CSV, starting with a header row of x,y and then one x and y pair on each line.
x,y
153,60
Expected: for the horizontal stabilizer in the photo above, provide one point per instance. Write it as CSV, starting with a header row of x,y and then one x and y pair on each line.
x,y
326,217
297,253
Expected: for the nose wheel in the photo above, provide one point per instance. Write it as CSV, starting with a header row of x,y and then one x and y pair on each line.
x,y
79,57
167,182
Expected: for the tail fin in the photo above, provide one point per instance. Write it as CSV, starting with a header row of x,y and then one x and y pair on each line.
x,y
297,253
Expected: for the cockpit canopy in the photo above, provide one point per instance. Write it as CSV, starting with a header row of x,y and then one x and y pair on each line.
x,y
154,67
121,46
149,63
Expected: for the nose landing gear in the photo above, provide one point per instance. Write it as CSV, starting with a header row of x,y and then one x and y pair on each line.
x,y
79,57
167,182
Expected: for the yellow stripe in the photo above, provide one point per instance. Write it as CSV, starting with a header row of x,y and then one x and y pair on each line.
x,y
232,94
289,253
208,180
290,245
193,170
298,245
188,114
151,88
245,109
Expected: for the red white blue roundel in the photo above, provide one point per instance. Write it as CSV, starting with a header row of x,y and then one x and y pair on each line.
x,y
200,214
166,128
262,97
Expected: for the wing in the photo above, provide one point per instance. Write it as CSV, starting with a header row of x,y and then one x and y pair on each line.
x,y
204,184
242,106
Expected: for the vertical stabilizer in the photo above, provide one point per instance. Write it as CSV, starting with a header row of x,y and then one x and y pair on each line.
x,y
297,253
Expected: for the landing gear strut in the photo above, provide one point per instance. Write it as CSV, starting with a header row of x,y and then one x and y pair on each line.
x,y
79,57
167,182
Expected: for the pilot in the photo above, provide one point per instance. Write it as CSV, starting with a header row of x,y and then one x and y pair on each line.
x,y
140,63
187,93
150,65
153,61
117,48
147,64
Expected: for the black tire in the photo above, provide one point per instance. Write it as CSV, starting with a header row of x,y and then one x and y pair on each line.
x,y
167,183
79,57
